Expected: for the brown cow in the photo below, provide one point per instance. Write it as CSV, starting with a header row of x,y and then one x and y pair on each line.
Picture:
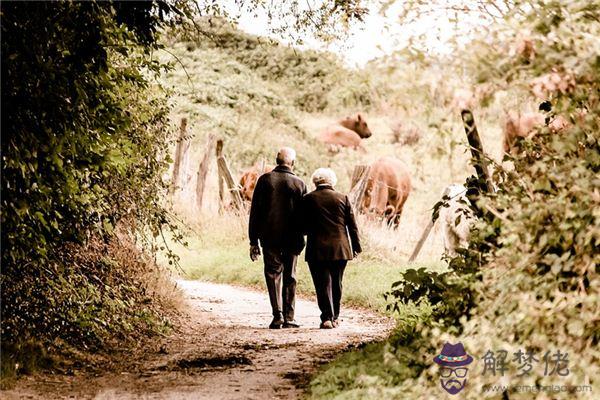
x,y
525,125
249,178
347,132
388,187
520,126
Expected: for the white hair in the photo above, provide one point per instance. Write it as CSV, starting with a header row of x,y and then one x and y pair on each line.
x,y
286,156
324,176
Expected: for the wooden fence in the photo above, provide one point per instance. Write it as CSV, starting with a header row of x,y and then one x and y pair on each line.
x,y
360,176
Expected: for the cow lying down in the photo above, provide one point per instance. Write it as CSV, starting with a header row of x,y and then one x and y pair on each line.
x,y
348,132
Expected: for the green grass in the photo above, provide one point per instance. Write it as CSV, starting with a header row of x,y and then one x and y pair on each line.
x,y
219,253
376,370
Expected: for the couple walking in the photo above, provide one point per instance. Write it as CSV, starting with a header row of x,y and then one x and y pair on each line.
x,y
280,215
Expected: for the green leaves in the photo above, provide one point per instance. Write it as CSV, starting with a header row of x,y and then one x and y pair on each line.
x,y
84,135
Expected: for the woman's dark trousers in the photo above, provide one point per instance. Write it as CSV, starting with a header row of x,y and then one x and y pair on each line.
x,y
327,277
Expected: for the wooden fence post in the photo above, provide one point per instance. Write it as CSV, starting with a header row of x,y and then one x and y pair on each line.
x,y
219,153
360,176
425,233
182,147
477,155
203,171
226,175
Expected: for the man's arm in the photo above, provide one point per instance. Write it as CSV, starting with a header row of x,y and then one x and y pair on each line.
x,y
299,207
300,217
352,227
303,188
256,211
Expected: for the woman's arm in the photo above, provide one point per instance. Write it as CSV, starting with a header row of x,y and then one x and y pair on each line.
x,y
352,227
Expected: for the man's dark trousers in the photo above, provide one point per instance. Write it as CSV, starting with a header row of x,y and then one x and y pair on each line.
x,y
280,274
327,277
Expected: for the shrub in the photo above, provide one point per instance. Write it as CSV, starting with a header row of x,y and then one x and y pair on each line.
x,y
84,140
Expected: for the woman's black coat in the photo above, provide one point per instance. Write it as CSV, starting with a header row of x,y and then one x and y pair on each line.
x,y
329,224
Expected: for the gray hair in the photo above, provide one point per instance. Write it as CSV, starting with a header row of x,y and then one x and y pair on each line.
x,y
286,156
324,176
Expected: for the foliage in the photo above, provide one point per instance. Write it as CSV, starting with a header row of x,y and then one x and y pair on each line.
x,y
316,80
533,252
84,140
450,295
295,19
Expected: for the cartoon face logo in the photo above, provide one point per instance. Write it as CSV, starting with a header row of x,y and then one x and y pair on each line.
x,y
453,371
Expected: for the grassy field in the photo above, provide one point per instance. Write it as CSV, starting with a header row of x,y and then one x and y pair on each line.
x,y
220,254
257,97
249,92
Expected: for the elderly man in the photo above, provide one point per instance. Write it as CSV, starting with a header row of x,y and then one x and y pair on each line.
x,y
332,240
274,222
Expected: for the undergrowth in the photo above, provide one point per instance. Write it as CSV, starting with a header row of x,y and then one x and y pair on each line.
x,y
108,294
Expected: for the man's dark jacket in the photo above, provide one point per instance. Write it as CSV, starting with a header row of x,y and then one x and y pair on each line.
x,y
275,210
328,222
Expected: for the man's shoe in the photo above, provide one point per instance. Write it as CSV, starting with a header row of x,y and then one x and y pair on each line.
x,y
291,324
276,323
336,323
326,325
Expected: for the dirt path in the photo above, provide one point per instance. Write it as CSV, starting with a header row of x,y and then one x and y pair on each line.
x,y
222,351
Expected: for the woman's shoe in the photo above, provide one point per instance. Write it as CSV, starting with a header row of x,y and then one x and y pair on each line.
x,y
291,324
326,325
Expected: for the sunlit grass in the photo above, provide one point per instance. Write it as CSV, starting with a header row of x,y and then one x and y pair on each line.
x,y
218,252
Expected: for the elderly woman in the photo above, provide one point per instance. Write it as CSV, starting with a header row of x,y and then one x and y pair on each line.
x,y
332,240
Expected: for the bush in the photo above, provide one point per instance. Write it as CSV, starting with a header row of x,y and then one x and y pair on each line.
x,y
84,140
536,243
529,279
315,81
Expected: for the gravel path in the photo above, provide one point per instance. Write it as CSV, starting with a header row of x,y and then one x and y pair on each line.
x,y
222,350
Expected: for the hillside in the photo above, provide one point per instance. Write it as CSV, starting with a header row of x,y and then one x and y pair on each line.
x,y
249,90
258,95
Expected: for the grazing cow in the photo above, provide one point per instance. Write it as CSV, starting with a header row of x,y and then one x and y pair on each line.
x,y
387,189
347,132
456,219
249,178
520,126
525,125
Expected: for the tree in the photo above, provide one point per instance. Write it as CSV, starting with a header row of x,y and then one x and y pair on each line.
x,y
84,136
